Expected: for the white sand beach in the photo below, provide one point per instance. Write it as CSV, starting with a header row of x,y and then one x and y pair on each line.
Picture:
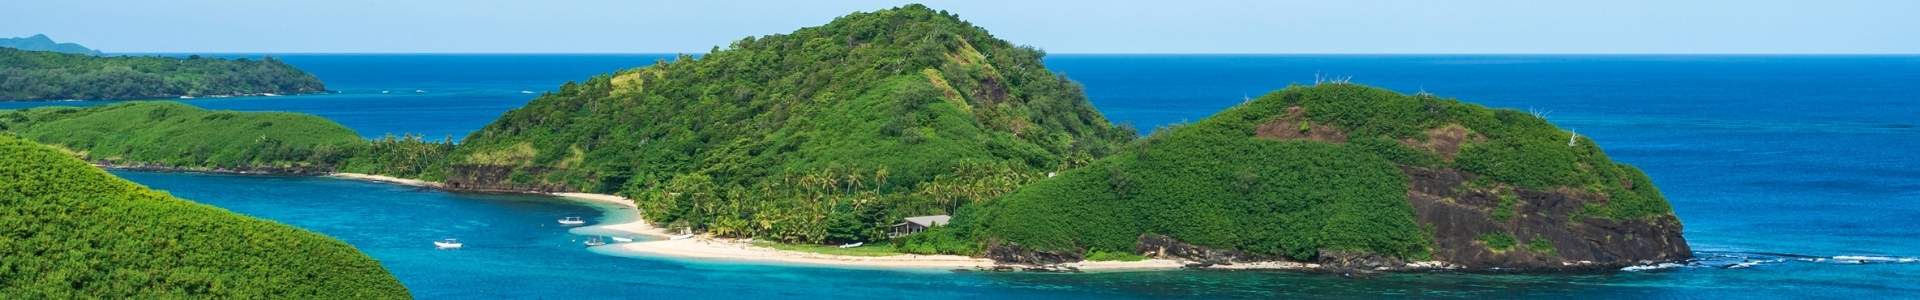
x,y
737,250
741,251
386,179
623,218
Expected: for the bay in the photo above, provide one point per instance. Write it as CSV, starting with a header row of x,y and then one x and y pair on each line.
x,y
1794,175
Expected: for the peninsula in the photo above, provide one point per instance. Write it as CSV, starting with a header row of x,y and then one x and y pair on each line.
x,y
41,75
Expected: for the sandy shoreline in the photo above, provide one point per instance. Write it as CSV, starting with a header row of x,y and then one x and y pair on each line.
x,y
385,179
622,218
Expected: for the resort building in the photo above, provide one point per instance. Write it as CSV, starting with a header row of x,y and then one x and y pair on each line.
x,y
917,224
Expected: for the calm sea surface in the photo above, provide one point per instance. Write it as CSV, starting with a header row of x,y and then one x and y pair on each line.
x,y
1796,176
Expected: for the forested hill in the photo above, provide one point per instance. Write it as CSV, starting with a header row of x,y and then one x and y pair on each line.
x,y
892,110
39,75
74,231
1342,175
174,136
40,42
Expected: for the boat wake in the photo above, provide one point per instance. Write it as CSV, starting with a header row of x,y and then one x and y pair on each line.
x,y
1746,260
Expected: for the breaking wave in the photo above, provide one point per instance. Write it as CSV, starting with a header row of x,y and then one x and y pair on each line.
x,y
1745,260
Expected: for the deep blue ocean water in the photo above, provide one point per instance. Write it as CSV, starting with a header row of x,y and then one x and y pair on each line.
x,y
1796,176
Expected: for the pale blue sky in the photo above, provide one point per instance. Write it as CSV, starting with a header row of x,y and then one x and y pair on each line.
x,y
1317,26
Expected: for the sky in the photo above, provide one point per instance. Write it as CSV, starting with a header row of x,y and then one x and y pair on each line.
x,y
1068,26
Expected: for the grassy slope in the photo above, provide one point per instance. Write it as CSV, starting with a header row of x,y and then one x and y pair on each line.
x,y
72,230
1212,183
180,135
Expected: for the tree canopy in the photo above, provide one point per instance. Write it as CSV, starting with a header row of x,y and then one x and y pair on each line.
x,y
70,230
40,75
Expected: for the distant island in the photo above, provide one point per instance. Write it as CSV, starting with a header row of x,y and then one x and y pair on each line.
x,y
846,133
75,231
42,75
40,42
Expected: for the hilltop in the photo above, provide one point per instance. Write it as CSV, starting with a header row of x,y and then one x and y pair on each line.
x,y
40,75
1346,176
40,42
75,231
835,130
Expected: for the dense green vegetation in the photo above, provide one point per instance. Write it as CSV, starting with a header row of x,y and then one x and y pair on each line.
x,y
1295,173
69,230
1113,256
37,75
179,136
830,134
826,134
171,134
409,156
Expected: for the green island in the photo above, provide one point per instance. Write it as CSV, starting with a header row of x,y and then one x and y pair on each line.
x,y
831,135
75,231
40,42
41,75
1344,174
828,134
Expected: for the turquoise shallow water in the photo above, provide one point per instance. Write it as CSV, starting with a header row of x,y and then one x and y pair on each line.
x,y
515,250
1794,175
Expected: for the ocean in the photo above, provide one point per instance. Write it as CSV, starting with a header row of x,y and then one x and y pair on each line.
x,y
1795,176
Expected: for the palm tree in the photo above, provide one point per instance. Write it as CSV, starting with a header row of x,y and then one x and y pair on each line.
x,y
880,178
853,181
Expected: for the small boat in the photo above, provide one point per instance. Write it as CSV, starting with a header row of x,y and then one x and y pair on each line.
x,y
526,92
595,241
270,94
852,245
681,237
419,91
572,221
621,239
447,244
186,97
386,92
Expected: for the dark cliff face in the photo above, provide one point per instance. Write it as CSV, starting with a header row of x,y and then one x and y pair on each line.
x,y
1547,229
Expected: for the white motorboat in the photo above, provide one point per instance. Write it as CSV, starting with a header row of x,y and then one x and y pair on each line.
x,y
681,237
853,245
595,241
447,244
621,240
572,221
419,91
526,92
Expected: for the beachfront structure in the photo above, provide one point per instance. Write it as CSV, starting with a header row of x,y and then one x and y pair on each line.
x,y
914,225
